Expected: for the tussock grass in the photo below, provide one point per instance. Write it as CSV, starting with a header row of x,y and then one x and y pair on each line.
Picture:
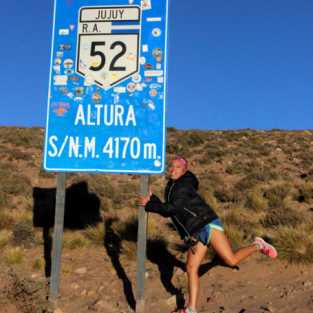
x,y
15,184
306,192
5,236
16,154
256,201
14,256
294,244
282,216
6,220
95,234
127,230
3,199
251,178
23,234
240,224
74,240
27,137
38,264
277,194
235,235
129,249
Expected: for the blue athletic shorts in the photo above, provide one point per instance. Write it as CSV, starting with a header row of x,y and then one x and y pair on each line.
x,y
204,235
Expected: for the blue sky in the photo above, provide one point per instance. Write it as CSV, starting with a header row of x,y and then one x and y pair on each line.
x,y
232,63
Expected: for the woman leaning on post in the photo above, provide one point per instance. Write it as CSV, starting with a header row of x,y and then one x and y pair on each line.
x,y
198,225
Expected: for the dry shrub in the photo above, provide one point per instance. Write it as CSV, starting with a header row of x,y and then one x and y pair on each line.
x,y
127,230
246,183
306,192
17,154
214,152
14,256
27,137
240,219
29,296
294,244
95,234
256,201
6,219
23,234
195,138
277,194
263,174
5,237
101,185
237,167
282,216
235,235
38,264
15,184
3,199
306,157
74,239
225,194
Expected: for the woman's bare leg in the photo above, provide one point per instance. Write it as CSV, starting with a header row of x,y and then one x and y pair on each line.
x,y
194,258
222,247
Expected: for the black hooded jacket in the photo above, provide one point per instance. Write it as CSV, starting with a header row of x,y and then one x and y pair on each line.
x,y
189,212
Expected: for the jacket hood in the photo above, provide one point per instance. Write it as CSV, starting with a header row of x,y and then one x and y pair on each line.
x,y
189,179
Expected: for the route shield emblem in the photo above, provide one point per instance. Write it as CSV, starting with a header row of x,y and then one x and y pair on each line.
x,y
108,44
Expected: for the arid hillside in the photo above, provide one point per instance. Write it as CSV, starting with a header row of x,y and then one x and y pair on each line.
x,y
260,183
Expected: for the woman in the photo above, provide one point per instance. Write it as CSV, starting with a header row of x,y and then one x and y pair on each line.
x,y
198,225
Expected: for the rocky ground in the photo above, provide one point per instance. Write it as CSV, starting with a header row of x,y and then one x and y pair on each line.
x,y
93,280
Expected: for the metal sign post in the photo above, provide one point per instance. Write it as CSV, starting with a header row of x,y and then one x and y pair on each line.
x,y
57,239
141,247
107,92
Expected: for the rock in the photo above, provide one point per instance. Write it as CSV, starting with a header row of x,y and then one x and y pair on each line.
x,y
267,308
74,286
171,301
91,293
34,276
101,288
103,306
58,311
81,271
307,284
84,293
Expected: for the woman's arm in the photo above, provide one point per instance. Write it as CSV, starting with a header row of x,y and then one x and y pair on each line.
x,y
179,199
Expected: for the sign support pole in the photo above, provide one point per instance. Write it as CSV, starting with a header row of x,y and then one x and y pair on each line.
x,y
141,247
57,239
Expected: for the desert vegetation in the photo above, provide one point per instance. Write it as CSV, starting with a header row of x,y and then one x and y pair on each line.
x,y
260,183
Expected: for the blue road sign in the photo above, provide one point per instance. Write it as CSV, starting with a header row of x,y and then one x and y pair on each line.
x,y
107,91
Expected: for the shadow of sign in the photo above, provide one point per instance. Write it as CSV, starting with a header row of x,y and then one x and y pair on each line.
x,y
113,246
82,209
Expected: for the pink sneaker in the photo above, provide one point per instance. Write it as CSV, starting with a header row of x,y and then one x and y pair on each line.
x,y
265,247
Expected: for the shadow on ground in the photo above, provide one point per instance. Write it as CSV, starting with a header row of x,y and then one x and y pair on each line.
x,y
157,253
82,209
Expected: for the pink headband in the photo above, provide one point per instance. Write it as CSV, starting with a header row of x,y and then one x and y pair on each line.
x,y
181,160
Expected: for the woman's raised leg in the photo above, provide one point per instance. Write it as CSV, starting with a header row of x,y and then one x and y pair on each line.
x,y
222,247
